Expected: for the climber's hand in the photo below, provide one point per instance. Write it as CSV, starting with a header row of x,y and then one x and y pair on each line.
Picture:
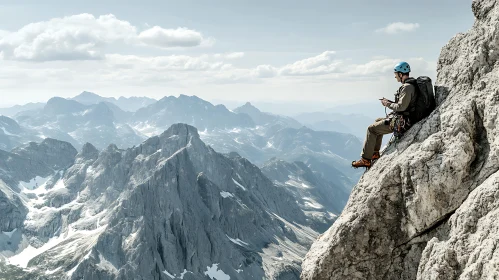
x,y
385,102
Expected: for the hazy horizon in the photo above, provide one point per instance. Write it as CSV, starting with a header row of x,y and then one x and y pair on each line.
x,y
327,52
289,108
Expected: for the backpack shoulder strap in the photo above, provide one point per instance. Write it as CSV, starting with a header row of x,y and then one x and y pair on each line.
x,y
414,83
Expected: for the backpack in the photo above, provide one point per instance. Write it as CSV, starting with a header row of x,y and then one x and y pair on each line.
x,y
424,102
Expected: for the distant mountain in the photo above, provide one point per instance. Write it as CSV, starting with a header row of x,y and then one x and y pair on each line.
x,y
279,107
60,106
171,208
118,114
254,134
12,134
327,171
71,121
130,104
261,118
89,98
56,154
263,143
292,140
12,111
191,110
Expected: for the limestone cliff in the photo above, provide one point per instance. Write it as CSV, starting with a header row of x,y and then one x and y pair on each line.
x,y
429,208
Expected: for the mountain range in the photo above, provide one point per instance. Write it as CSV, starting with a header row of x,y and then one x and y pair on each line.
x,y
170,208
256,135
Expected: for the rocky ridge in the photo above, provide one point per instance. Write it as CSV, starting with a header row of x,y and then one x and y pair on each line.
x,y
170,208
428,208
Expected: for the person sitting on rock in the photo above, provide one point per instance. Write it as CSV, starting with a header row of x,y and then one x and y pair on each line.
x,y
401,107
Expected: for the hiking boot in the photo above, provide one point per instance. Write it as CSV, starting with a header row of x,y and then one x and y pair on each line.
x,y
376,156
361,163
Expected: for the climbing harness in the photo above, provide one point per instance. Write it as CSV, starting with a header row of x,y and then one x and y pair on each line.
x,y
399,125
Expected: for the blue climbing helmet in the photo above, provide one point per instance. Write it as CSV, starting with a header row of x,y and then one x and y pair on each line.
x,y
402,67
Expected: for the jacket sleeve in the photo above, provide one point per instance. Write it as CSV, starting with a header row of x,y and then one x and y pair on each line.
x,y
405,97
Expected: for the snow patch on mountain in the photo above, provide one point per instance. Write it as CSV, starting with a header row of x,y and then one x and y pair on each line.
x,y
216,274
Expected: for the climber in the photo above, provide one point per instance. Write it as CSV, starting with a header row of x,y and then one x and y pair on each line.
x,y
399,117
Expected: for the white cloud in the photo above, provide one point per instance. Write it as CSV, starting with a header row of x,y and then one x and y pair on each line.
x,y
169,38
232,76
377,66
76,37
234,55
199,74
83,37
3,33
397,27
265,71
317,65
216,69
166,63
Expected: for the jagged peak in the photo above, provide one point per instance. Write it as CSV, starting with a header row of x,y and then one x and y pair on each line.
x,y
112,148
221,106
87,94
88,151
53,142
62,105
49,143
248,107
185,98
57,99
180,129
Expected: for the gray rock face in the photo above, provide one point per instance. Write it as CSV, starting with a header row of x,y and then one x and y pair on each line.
x,y
27,167
428,208
170,208
13,212
55,154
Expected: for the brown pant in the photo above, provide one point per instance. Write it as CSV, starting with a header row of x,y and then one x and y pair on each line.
x,y
374,137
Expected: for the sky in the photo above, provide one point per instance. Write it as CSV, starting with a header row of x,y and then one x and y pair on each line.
x,y
324,52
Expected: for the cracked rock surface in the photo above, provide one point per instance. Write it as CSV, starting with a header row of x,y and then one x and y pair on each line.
x,y
428,208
